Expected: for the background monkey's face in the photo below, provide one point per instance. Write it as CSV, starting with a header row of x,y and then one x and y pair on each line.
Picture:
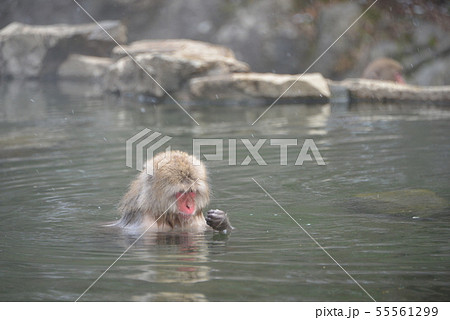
x,y
398,77
384,69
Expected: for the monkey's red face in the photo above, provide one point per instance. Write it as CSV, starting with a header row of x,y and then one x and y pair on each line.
x,y
186,203
399,78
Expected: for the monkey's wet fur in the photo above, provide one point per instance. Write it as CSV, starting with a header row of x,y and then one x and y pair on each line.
x,y
173,197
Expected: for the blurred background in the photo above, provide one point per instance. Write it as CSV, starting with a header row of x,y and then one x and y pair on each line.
x,y
283,36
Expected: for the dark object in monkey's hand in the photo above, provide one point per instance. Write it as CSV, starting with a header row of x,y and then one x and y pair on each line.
x,y
218,220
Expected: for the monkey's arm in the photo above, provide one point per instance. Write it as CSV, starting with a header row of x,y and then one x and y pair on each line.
x,y
218,220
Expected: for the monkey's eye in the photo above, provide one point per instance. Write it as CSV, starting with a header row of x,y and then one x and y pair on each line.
x,y
189,192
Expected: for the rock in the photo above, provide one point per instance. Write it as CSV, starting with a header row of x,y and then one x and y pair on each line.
x,y
170,63
333,20
269,35
80,67
158,75
434,72
177,46
385,91
251,86
412,202
215,59
338,93
37,51
283,36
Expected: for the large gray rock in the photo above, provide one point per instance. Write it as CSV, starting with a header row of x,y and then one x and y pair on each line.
x,y
254,86
37,51
180,47
164,66
81,67
148,74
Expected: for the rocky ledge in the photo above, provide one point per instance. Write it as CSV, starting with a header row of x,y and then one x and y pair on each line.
x,y
365,90
248,87
31,52
158,67
188,70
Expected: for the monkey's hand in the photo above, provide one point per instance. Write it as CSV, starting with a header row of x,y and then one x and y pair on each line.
x,y
218,220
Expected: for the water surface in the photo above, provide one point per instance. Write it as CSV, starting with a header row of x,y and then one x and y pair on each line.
x,y
62,173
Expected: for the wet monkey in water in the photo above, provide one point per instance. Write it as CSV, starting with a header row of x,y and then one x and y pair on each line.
x,y
172,198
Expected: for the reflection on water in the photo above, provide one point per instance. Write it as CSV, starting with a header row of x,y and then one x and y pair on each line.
x,y
167,258
62,173
174,258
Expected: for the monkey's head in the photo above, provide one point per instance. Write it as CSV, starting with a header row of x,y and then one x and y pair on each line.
x,y
384,69
178,187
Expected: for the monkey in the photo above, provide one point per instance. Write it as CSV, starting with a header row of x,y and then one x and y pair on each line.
x,y
172,197
384,69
